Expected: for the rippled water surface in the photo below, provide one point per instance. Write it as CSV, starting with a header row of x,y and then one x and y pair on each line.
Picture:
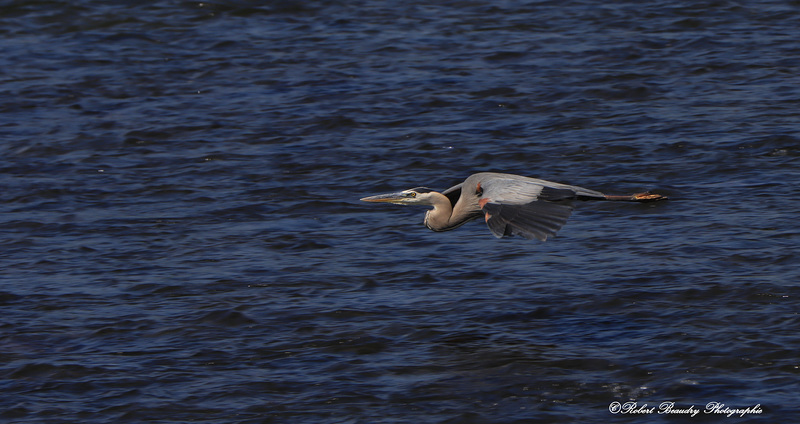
x,y
182,239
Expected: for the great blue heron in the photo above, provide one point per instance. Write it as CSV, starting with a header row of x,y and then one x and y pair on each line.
x,y
510,204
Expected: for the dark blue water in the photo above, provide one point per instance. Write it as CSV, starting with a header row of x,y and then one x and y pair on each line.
x,y
182,239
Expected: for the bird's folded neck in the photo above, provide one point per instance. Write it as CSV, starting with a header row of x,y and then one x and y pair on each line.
x,y
440,217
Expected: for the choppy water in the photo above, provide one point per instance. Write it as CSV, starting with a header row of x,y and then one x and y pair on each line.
x,y
182,240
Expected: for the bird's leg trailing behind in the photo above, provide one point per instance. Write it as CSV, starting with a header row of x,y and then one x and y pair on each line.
x,y
638,197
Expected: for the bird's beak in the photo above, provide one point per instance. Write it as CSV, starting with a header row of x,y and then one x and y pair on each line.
x,y
385,198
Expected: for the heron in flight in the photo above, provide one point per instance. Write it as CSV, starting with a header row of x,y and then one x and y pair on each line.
x,y
510,204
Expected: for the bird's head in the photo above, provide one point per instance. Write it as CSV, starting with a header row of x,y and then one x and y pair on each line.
x,y
412,196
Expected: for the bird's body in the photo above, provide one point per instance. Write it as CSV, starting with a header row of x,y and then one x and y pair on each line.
x,y
510,204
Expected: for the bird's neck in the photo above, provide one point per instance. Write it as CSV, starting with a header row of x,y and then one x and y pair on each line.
x,y
438,218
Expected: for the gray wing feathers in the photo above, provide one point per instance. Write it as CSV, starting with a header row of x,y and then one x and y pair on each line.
x,y
538,219
512,192
515,189
526,207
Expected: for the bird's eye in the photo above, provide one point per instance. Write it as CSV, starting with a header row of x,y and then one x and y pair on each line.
x,y
411,194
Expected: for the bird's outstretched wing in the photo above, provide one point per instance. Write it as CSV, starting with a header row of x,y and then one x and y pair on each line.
x,y
527,207
538,219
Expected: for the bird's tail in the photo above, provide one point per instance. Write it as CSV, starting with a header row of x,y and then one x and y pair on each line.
x,y
638,197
